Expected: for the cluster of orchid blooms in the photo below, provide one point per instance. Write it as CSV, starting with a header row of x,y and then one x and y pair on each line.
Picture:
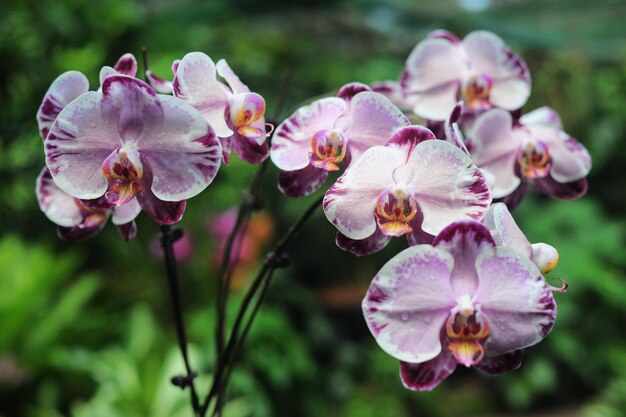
x,y
469,289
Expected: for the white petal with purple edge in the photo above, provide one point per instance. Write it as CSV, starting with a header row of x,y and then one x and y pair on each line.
x,y
65,88
489,55
505,231
126,213
448,187
350,202
408,302
183,152
127,65
545,116
494,147
373,119
291,143
81,138
427,375
514,299
235,84
196,83
57,205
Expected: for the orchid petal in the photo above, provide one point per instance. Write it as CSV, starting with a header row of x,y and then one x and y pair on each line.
x,y
235,84
64,89
79,141
392,90
75,233
543,116
301,182
494,147
348,91
427,375
196,83
570,159
464,241
545,257
447,185
160,85
373,120
182,152
555,189
409,301
57,205
350,202
489,55
505,231
291,142
128,231
500,364
105,72
162,212
126,65
514,299
126,213
363,247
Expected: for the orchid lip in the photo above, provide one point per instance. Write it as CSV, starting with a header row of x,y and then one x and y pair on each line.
x,y
467,330
395,209
328,149
123,170
534,159
476,92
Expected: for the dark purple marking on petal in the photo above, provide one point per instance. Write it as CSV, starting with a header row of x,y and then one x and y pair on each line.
x,y
500,364
480,187
437,127
249,150
350,90
443,34
302,182
75,234
128,231
418,236
461,231
427,375
363,247
100,203
566,191
162,212
410,136
127,65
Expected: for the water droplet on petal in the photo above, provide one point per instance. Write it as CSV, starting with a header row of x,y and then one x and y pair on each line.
x,y
404,317
93,124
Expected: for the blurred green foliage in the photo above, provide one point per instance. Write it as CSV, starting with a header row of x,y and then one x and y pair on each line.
x,y
78,343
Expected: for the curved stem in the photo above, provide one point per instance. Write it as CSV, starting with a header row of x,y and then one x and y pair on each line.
x,y
167,242
234,341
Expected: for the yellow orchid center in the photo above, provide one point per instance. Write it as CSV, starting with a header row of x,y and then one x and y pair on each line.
x,y
466,332
476,92
395,209
328,148
534,159
124,171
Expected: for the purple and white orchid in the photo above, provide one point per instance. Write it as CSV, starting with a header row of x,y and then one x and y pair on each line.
x,y
318,137
481,70
236,114
462,300
127,142
534,152
415,185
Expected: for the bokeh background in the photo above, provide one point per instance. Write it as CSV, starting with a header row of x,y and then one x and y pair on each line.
x,y
85,328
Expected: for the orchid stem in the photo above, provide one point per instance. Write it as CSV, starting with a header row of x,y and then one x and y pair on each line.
x,y
274,260
168,237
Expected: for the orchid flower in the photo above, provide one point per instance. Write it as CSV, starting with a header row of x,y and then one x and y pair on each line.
x,y
481,70
535,152
126,65
414,186
79,219
505,232
462,300
236,114
319,137
127,142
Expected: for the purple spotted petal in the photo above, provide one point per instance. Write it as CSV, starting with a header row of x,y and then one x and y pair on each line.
x,y
426,376
162,212
182,152
235,84
489,55
432,77
139,104
126,65
500,364
373,120
494,147
58,206
447,186
409,301
352,89
249,149
104,73
514,299
505,231
409,137
81,138
160,85
350,202
363,247
127,231
291,142
67,87
196,83
126,213
302,182
567,191
464,241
